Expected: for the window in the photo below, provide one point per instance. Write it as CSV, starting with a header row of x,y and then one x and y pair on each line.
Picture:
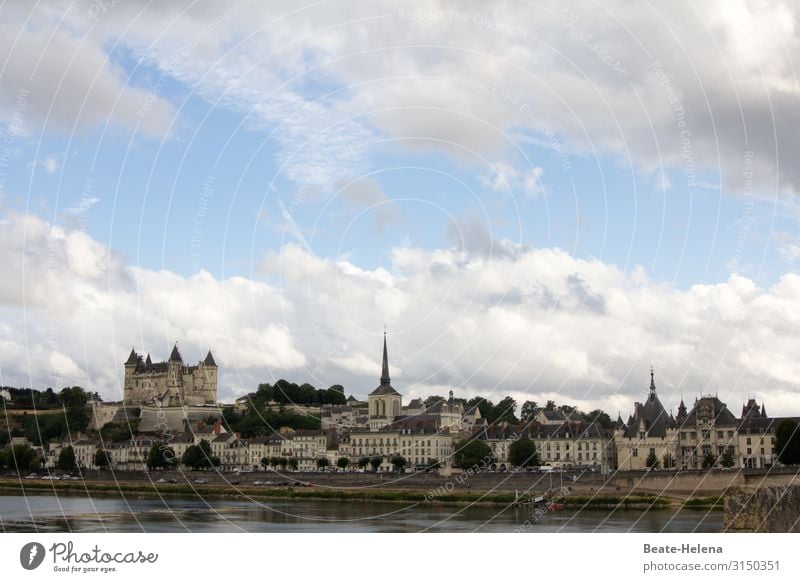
x,y
720,435
635,452
748,441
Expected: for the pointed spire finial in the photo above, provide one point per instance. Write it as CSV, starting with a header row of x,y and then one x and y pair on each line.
x,y
385,370
652,382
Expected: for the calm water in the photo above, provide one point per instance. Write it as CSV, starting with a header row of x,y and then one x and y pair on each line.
x,y
77,513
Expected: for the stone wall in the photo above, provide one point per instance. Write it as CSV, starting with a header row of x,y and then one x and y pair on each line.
x,y
772,509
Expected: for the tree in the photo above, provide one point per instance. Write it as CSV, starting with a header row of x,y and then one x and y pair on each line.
x,y
274,462
283,461
599,417
787,442
668,461
399,462
727,460
102,458
18,457
469,453
550,406
293,464
160,457
322,463
528,411
265,462
709,459
363,462
199,456
652,461
375,462
342,463
504,411
66,459
523,453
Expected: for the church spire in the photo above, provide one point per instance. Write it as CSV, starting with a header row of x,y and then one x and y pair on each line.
x,y
385,380
652,384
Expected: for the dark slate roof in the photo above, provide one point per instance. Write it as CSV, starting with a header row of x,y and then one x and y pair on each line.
x,y
417,424
385,386
175,355
416,403
148,361
651,414
209,361
133,358
719,412
553,415
384,389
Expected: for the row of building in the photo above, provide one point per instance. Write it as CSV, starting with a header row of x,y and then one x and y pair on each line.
x,y
424,436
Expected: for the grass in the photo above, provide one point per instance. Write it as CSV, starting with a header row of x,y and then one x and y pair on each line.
x,y
146,489
165,489
716,502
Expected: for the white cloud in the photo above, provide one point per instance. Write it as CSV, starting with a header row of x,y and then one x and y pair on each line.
x,y
534,323
682,86
55,76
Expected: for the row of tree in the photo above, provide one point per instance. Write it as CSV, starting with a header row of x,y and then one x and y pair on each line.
x,y
29,398
285,392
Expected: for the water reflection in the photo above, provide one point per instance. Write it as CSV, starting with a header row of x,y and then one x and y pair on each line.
x,y
47,513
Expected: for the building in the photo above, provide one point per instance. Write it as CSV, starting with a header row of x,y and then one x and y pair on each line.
x,y
170,383
384,402
709,435
569,444
650,431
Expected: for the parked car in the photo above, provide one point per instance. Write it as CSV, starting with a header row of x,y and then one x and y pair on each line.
x,y
162,480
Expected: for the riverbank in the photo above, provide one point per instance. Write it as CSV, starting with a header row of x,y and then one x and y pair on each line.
x,y
152,490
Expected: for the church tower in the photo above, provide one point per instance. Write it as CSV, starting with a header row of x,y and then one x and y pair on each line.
x,y
384,402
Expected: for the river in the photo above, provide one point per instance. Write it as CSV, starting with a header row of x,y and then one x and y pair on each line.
x,y
66,513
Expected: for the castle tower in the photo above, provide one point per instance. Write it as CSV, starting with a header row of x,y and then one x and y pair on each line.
x,y
174,378
384,402
130,368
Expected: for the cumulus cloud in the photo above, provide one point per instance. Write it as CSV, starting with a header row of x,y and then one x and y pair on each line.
x,y
73,308
55,77
682,87
535,323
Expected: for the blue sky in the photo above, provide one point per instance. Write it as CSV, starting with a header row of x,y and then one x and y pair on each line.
x,y
294,180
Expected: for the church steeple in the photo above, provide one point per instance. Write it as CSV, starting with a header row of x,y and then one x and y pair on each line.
x,y
652,384
385,380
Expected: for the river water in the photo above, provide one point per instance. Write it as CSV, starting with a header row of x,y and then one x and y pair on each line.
x,y
63,513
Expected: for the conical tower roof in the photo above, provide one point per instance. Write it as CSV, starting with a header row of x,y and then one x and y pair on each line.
x,y
133,358
385,386
175,355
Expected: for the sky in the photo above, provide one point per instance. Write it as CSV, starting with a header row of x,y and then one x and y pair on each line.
x,y
532,200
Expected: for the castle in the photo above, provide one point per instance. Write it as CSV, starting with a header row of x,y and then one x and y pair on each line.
x,y
170,383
